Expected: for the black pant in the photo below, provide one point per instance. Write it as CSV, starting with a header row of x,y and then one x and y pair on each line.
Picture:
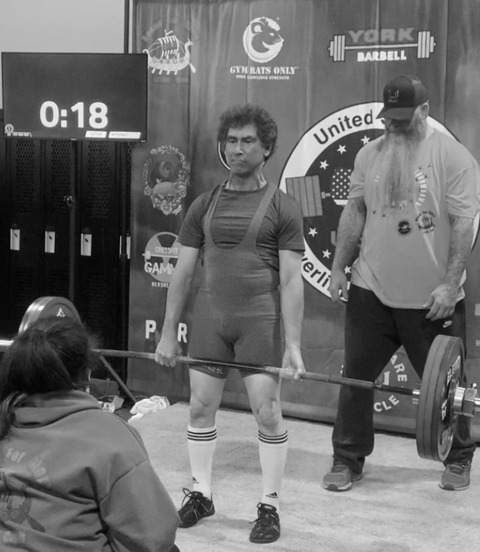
x,y
373,332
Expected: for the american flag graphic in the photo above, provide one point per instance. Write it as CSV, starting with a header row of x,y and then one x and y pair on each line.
x,y
306,191
341,183
323,191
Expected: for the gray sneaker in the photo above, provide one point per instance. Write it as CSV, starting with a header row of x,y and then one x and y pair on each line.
x,y
340,478
456,477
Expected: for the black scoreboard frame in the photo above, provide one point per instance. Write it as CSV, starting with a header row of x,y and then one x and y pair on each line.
x,y
76,96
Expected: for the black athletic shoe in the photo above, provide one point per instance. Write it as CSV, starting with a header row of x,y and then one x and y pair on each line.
x,y
195,506
267,524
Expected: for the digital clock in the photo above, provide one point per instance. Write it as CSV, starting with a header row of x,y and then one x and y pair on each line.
x,y
75,96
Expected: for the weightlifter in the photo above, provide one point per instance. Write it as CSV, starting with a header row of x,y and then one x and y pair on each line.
x,y
414,193
251,237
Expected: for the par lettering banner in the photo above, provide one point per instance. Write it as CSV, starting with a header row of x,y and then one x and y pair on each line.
x,y
319,67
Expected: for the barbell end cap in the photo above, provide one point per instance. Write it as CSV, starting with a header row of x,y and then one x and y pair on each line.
x,y
469,403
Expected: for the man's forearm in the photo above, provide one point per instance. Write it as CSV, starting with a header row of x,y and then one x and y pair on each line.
x,y
461,239
176,299
292,311
350,228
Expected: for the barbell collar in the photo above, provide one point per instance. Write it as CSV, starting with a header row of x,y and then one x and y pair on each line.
x,y
416,395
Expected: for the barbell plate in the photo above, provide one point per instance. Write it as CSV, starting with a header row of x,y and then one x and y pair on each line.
x,y
47,307
436,419
31,314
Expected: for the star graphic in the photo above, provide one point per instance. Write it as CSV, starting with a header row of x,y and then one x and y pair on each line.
x,y
312,232
341,149
323,165
348,269
327,253
365,140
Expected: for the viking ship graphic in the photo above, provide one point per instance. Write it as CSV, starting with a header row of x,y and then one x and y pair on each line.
x,y
169,55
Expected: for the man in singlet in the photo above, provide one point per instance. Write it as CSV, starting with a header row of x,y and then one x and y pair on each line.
x,y
249,309
414,194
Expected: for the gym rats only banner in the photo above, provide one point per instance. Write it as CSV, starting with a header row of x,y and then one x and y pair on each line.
x,y
319,67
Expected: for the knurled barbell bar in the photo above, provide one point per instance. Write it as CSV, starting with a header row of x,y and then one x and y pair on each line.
x,y
425,46
440,399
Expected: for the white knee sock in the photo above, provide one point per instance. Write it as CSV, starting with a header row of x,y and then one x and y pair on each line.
x,y
273,457
201,448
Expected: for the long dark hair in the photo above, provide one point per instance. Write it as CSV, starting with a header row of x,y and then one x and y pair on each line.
x,y
54,354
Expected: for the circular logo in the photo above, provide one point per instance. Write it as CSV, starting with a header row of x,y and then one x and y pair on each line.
x,y
262,40
160,256
404,227
425,221
317,174
166,176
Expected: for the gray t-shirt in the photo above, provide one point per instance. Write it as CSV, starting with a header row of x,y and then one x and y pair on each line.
x,y
404,252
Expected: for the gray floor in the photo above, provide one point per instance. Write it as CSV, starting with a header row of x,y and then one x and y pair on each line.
x,y
397,507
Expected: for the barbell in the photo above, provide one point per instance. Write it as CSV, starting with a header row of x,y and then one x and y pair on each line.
x,y
440,399
425,46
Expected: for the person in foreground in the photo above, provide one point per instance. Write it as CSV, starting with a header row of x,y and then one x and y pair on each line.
x,y
414,193
72,477
252,235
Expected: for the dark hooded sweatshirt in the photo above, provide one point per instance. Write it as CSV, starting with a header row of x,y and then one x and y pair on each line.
x,y
76,479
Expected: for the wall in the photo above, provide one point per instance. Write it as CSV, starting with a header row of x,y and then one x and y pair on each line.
x,y
61,26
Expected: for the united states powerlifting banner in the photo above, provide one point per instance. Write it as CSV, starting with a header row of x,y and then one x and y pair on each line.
x,y
318,66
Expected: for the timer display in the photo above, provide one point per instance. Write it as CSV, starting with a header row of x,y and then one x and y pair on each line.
x,y
51,115
75,96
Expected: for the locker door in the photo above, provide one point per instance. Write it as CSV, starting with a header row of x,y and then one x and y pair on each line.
x,y
99,239
59,202
4,235
24,266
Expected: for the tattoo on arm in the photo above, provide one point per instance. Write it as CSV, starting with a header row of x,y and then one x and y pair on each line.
x,y
461,239
350,229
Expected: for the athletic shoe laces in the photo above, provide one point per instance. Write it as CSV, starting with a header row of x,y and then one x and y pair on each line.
x,y
458,469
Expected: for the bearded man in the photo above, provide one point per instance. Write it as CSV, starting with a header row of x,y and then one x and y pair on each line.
x,y
414,194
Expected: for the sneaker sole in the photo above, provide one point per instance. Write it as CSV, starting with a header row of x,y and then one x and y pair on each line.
x,y
264,541
188,525
452,488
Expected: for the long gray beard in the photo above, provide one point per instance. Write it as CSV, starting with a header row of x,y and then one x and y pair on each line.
x,y
397,171
399,163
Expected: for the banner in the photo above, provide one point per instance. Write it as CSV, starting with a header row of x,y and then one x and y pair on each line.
x,y
319,67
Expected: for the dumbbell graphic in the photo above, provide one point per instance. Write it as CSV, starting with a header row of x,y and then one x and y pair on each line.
x,y
425,46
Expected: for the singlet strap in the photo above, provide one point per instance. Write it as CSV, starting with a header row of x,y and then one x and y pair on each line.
x,y
250,236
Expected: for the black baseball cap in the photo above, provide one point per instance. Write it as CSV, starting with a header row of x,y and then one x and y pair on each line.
x,y
401,96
